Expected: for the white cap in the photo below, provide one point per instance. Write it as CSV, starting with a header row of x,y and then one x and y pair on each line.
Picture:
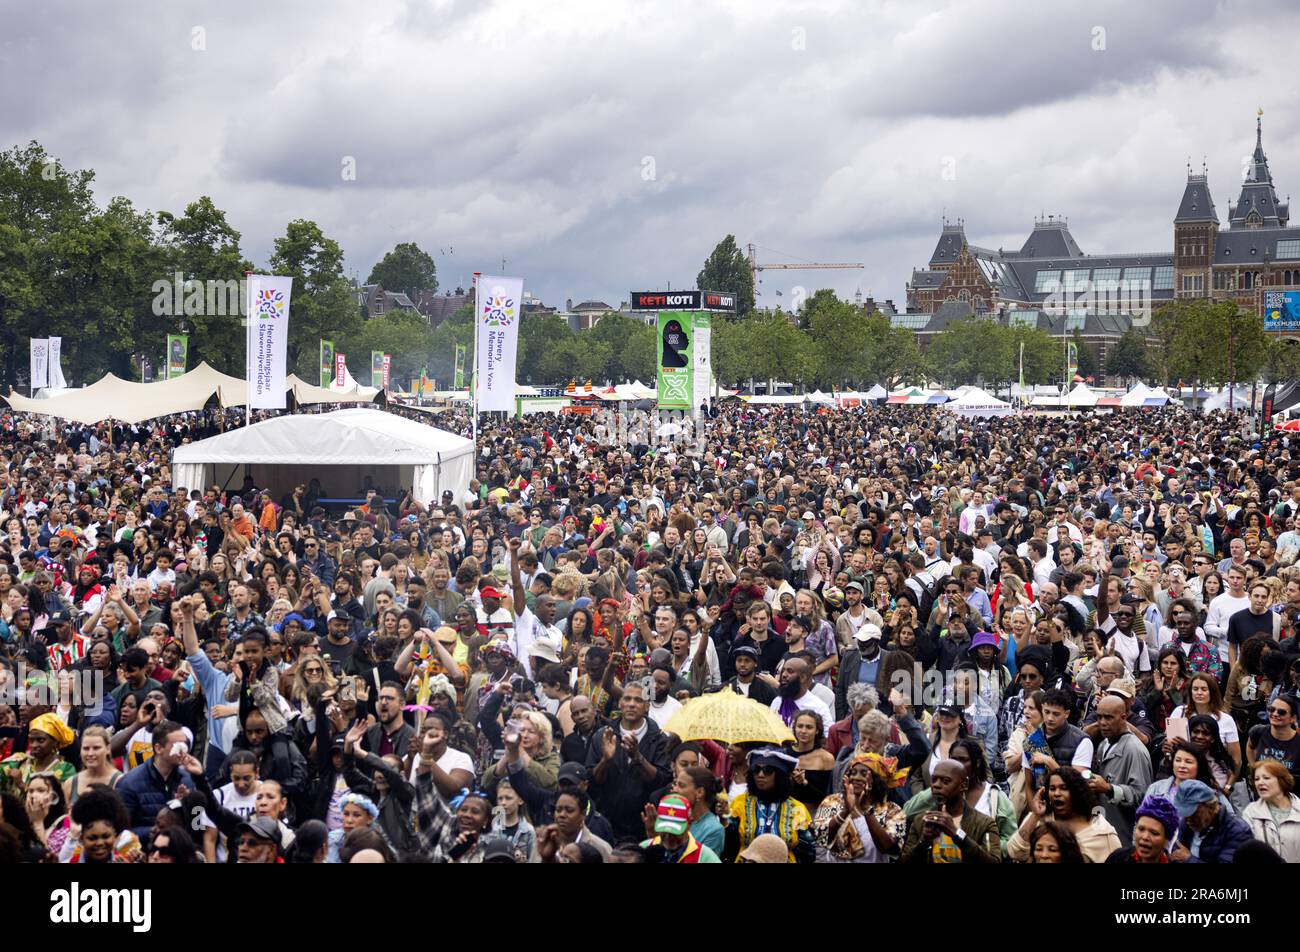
x,y
544,648
869,632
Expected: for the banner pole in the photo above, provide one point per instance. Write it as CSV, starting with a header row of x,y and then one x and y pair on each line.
x,y
473,383
248,344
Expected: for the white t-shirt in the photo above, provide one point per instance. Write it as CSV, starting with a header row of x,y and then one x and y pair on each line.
x,y
452,759
1228,732
660,713
528,629
1221,609
244,806
809,702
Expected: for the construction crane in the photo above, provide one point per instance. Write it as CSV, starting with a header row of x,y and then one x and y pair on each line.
x,y
755,267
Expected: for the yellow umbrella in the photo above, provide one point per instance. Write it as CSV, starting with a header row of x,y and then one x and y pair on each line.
x,y
730,718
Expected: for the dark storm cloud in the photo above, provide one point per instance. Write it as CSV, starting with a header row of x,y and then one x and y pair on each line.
x,y
599,145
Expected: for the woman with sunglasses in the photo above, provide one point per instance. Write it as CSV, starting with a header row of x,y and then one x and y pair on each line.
x,y
767,806
1279,739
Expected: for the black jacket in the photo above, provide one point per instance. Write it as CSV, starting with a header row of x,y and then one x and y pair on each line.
x,y
625,791
279,760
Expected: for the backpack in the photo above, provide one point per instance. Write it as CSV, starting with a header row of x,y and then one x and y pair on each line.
x,y
926,599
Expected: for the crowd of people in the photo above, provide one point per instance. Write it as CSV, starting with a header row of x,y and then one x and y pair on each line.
x,y
1037,639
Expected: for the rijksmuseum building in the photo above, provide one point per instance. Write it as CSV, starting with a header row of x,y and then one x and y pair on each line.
x,y
1051,284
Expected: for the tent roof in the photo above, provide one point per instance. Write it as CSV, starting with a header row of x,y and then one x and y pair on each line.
x,y
113,398
305,393
977,397
355,436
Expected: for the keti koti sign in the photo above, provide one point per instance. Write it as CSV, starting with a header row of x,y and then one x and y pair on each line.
x,y
683,301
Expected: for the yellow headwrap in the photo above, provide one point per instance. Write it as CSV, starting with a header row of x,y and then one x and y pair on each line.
x,y
49,724
886,768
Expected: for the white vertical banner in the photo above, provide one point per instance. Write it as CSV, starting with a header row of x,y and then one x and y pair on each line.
x,y
497,308
268,340
702,349
56,363
40,370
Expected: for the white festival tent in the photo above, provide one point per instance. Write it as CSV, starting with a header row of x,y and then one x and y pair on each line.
x,y
976,402
340,448
1144,396
112,398
1081,397
305,393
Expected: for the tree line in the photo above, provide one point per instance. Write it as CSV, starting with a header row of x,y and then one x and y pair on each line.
x,y
91,275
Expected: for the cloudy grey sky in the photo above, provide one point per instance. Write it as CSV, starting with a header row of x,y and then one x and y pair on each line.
x,y
606,145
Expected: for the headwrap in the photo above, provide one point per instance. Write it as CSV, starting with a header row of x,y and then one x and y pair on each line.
x,y
498,647
50,724
1161,810
439,684
307,624
886,768
363,802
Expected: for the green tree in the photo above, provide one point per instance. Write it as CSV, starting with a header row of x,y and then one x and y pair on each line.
x,y
407,269
1283,360
67,268
727,270
978,350
1209,342
578,358
456,329
402,333
201,246
971,349
842,335
640,353
323,304
538,334
1127,359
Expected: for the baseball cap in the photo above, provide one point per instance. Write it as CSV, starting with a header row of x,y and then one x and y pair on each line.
x,y
747,650
489,592
263,827
498,850
446,635
571,772
869,632
673,815
1123,687
856,586
544,648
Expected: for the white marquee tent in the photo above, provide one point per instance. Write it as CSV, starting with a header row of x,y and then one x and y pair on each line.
x,y
976,402
1080,398
112,398
306,393
340,448
1144,396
